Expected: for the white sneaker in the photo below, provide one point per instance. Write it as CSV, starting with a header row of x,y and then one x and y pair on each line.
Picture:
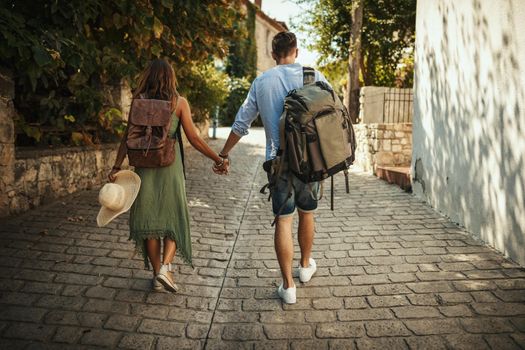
x,y
166,278
156,285
287,295
306,273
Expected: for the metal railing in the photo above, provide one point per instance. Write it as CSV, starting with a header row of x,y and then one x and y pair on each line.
x,y
397,105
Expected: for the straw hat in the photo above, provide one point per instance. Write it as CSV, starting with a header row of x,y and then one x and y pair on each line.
x,y
117,197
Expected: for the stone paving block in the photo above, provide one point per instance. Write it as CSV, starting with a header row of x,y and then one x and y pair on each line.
x,y
364,314
29,331
519,338
510,295
100,337
430,287
484,297
289,317
21,313
369,279
340,330
381,343
486,325
328,303
432,326
466,341
67,334
386,329
136,341
163,299
18,298
130,296
62,318
122,323
161,327
197,331
182,315
243,332
288,331
387,300
351,291
320,316
425,299
415,311
71,278
499,309
98,305
101,292
355,303
501,342
313,344
431,342
391,289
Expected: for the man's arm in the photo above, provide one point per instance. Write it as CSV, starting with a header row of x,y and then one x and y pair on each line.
x,y
232,140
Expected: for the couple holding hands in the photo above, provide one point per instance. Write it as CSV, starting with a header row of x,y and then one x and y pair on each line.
x,y
156,197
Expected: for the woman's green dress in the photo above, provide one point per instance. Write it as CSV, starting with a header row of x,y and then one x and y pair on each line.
x,y
161,208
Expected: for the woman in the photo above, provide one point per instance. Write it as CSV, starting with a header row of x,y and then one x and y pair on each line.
x,y
160,210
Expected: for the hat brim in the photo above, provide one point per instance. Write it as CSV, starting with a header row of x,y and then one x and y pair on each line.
x,y
131,184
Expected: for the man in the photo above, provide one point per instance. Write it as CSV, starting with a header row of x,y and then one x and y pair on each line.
x,y
266,97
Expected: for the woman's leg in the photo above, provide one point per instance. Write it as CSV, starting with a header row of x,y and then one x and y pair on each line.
x,y
165,276
153,251
170,248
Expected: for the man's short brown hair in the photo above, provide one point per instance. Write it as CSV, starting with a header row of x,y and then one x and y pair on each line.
x,y
283,43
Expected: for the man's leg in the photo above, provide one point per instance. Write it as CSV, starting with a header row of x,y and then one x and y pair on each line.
x,y
284,248
306,236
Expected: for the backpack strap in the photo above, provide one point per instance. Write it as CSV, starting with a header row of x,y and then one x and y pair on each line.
x,y
178,135
332,193
308,75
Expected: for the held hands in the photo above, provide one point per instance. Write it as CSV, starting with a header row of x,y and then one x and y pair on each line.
x,y
222,167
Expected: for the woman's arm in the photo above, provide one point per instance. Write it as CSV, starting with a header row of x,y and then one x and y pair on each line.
x,y
184,113
121,154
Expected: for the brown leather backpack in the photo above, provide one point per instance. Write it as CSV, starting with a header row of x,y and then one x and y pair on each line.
x,y
149,142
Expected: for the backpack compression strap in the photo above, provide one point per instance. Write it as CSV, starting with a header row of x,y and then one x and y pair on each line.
x,y
308,75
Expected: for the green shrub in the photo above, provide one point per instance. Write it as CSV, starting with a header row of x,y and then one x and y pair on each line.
x,y
206,88
238,90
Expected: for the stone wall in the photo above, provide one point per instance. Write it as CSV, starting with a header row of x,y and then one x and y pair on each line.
x,y
7,140
383,145
42,176
30,177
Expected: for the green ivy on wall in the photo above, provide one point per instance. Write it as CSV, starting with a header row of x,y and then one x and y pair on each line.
x,y
241,65
65,59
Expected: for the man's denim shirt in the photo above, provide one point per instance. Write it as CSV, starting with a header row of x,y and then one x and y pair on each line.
x,y
266,97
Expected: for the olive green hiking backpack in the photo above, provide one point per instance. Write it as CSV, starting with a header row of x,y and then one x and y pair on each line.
x,y
317,139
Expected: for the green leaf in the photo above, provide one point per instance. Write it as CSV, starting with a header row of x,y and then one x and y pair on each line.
x,y
41,56
167,4
158,28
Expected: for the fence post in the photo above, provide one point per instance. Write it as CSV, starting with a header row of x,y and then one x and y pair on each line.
x,y
215,123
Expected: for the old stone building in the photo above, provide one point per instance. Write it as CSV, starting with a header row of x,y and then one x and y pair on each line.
x,y
265,30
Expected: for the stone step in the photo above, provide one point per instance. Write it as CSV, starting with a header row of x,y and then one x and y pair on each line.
x,y
399,175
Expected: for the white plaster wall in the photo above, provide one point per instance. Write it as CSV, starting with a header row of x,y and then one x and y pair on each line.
x,y
469,116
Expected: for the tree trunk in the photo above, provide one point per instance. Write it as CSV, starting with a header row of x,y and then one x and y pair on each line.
x,y
352,90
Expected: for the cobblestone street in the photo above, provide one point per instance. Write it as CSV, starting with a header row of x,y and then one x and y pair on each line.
x,y
392,274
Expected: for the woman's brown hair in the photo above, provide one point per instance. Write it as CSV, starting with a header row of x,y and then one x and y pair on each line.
x,y
158,81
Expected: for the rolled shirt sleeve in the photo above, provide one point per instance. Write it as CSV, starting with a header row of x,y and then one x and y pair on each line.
x,y
247,113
